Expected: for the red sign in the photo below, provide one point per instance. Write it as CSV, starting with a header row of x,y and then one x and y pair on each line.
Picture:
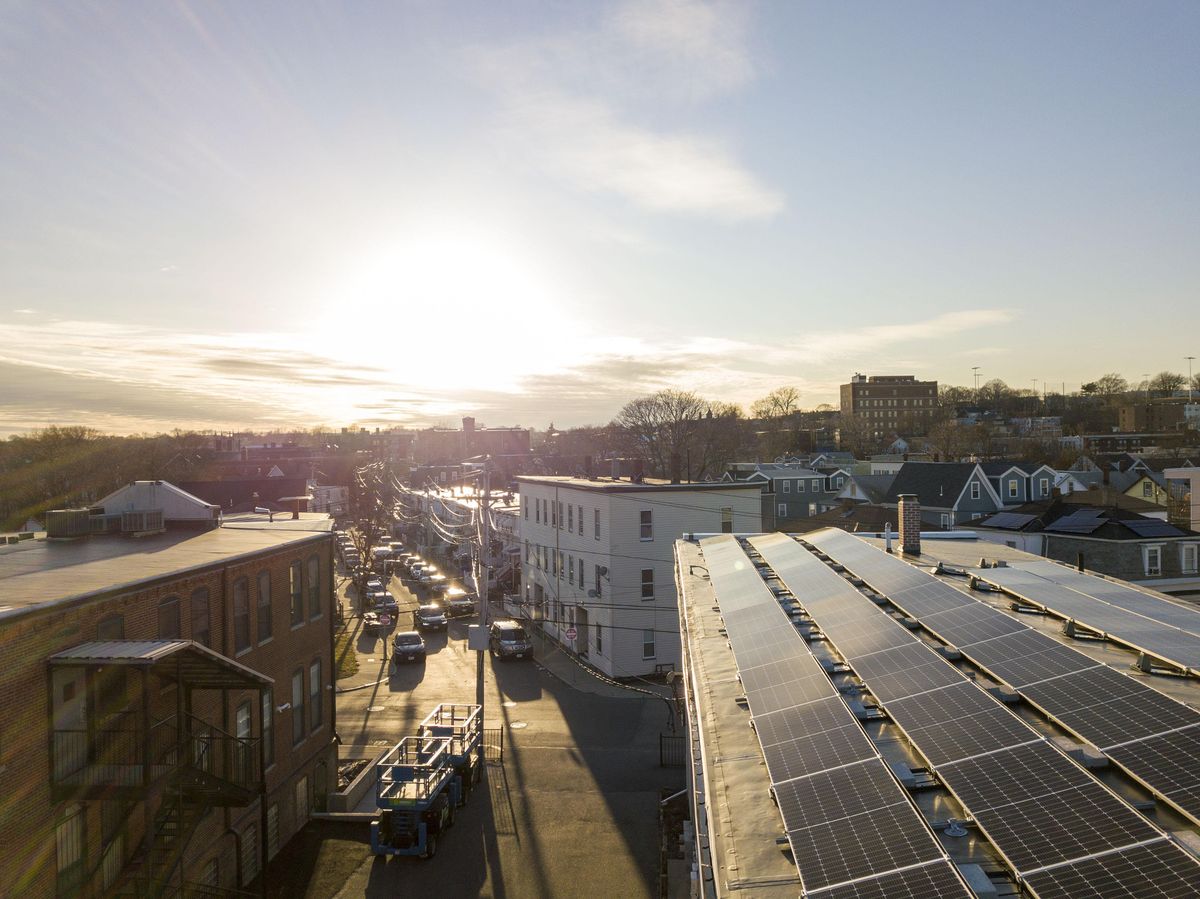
x,y
572,633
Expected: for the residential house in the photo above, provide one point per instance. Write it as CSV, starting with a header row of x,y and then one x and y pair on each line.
x,y
949,492
1017,483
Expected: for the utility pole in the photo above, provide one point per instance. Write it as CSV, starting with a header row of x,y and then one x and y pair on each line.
x,y
975,369
481,579
1190,359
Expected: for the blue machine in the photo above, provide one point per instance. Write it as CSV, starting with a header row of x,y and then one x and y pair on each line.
x,y
416,790
462,725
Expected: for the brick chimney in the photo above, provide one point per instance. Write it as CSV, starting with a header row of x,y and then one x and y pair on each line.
x,y
910,524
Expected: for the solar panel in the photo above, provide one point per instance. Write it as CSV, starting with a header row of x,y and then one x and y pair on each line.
x,y
1008,520
1170,761
1151,527
823,767
1159,871
935,879
1130,616
1085,521
967,625
1037,807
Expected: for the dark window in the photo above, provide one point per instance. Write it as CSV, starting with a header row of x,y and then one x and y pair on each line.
x,y
647,525
168,618
727,520
241,615
647,583
201,620
599,591
111,628
264,606
70,845
314,587
297,706
268,726
314,693
297,586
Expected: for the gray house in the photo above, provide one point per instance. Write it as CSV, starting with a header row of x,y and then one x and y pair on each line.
x,y
1017,483
791,491
950,493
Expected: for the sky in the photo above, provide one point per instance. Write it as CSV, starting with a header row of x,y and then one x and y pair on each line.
x,y
270,215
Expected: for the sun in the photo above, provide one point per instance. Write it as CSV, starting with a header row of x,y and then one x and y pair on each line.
x,y
451,309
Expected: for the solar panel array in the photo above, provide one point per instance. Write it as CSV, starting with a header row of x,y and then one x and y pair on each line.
x,y
1151,736
852,828
1038,808
1150,623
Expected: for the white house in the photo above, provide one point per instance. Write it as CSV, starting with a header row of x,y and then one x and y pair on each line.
x,y
598,561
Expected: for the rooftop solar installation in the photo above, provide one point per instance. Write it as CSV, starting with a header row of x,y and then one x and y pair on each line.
x,y
1038,808
1153,738
1140,620
848,820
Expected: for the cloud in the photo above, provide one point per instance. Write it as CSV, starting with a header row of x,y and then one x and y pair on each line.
x,y
568,105
25,311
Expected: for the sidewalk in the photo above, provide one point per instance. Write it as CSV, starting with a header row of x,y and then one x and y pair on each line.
x,y
576,673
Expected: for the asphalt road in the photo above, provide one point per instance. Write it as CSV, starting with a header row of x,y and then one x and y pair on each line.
x,y
571,810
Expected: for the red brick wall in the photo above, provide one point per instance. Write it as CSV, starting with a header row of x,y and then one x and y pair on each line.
x,y
28,816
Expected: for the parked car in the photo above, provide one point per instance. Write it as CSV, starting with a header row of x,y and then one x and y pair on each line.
x,y
430,618
378,623
508,640
459,603
408,646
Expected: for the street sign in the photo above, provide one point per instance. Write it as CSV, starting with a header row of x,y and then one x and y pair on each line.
x,y
572,633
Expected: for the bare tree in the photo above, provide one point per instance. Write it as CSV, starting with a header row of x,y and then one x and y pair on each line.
x,y
661,425
1166,383
779,403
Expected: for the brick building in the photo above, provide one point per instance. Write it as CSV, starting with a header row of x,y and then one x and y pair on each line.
x,y
166,698
891,403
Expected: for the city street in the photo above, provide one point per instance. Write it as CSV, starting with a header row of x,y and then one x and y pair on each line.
x,y
573,809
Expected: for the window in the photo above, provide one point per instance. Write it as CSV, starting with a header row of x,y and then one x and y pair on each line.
x,y
201,618
787,486
1152,559
301,795
974,490
264,606
525,507
1045,486
168,618
648,644
570,518
599,639
111,628
596,523
528,552
727,520
816,486
268,727
581,574
837,482
241,615
297,707
599,590
554,510
1187,558
314,693
314,587
70,845
946,520
295,576
782,510
537,511
560,514
647,525
647,583
1147,489
249,855
799,486
570,569
580,521
1012,488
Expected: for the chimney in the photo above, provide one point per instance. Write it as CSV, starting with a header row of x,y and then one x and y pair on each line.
x,y
468,425
910,524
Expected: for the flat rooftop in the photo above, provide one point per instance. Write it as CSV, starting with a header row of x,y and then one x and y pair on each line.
x,y
624,485
40,572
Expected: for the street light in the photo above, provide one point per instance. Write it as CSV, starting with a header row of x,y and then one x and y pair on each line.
x,y
975,368
1189,359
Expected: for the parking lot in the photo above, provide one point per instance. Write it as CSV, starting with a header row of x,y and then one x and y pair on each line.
x,y
571,811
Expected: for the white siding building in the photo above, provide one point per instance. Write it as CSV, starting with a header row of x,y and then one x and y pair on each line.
x,y
598,561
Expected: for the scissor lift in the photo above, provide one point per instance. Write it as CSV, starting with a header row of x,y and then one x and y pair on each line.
x,y
416,790
462,724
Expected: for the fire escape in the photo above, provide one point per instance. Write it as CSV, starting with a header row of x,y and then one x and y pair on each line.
x,y
133,723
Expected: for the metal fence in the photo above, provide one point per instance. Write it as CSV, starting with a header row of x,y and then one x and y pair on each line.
x,y
493,744
672,751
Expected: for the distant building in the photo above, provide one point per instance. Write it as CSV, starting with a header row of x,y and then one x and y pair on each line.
x,y
440,446
1152,415
598,572
891,403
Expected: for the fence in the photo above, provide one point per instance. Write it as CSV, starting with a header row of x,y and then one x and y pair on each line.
x,y
672,751
493,744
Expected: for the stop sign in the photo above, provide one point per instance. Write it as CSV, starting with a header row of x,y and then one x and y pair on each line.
x,y
572,633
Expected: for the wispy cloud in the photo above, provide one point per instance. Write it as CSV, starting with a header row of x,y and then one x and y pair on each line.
x,y
25,311
570,101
